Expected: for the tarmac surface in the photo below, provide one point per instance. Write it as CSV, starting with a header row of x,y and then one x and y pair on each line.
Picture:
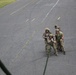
x,y
22,47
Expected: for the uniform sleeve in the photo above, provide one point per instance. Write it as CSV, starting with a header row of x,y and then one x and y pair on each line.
x,y
62,35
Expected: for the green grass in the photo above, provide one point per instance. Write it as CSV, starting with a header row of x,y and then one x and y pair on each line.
x,y
5,2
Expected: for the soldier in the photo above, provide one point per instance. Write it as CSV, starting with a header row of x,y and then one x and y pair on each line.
x,y
46,36
60,40
51,43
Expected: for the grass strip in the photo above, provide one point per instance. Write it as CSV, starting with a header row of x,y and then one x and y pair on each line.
x,y
5,2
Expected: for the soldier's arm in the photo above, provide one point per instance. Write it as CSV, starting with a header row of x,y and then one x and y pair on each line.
x,y
62,36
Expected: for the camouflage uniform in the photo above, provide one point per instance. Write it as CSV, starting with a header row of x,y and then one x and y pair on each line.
x,y
51,43
46,36
59,39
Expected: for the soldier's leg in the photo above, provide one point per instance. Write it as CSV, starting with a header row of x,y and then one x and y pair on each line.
x,y
62,46
58,46
45,45
48,49
55,48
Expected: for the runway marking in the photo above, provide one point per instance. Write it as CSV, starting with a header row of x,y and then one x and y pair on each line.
x,y
58,18
19,9
50,10
32,20
27,20
22,50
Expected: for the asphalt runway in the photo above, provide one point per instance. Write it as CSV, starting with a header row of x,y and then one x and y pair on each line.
x,y
22,47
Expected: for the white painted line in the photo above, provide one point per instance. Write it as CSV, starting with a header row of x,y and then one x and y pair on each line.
x,y
50,11
32,20
58,18
27,20
22,7
19,9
